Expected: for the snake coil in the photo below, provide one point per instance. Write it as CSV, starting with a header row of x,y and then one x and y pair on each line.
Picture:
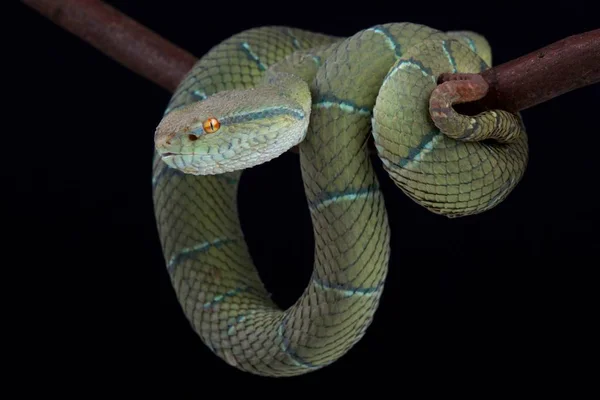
x,y
261,91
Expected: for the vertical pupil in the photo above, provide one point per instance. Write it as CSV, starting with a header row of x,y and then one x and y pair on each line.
x,y
211,125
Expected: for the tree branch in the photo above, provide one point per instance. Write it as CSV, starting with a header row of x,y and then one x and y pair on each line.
x,y
524,82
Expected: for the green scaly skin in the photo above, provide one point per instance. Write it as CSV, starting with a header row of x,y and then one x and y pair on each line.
x,y
379,79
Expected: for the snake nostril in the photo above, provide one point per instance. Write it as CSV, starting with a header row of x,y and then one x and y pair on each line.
x,y
192,137
163,140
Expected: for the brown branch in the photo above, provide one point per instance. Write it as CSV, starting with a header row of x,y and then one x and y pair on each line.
x,y
121,38
561,67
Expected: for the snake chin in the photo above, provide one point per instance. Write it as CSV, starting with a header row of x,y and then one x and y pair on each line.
x,y
181,162
219,163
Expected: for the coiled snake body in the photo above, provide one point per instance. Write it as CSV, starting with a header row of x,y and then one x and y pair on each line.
x,y
258,93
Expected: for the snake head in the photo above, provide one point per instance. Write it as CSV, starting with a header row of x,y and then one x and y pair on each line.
x,y
230,130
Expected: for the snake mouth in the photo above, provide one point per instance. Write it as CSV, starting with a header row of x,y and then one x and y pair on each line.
x,y
169,154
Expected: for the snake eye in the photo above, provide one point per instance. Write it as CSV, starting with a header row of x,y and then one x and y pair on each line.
x,y
211,125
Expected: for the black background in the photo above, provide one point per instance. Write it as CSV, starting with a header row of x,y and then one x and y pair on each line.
x,y
505,297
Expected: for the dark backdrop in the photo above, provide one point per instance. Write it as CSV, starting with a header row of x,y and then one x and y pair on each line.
x,y
505,296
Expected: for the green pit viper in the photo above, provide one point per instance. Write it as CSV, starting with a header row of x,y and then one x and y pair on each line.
x,y
262,91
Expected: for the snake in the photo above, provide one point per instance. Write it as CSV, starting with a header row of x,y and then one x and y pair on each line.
x,y
264,90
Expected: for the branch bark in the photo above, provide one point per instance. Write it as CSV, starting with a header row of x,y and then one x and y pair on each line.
x,y
524,82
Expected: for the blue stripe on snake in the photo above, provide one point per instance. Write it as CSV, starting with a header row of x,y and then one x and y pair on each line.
x,y
350,290
189,252
330,198
448,53
295,41
327,101
406,64
471,43
219,298
255,115
199,94
238,319
248,50
262,114
416,153
287,348
389,38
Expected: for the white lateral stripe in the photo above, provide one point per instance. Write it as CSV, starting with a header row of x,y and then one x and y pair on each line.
x,y
342,106
343,197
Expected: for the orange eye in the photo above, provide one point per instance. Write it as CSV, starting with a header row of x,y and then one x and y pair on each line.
x,y
211,125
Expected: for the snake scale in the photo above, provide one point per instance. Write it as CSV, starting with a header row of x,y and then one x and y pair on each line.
x,y
260,92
